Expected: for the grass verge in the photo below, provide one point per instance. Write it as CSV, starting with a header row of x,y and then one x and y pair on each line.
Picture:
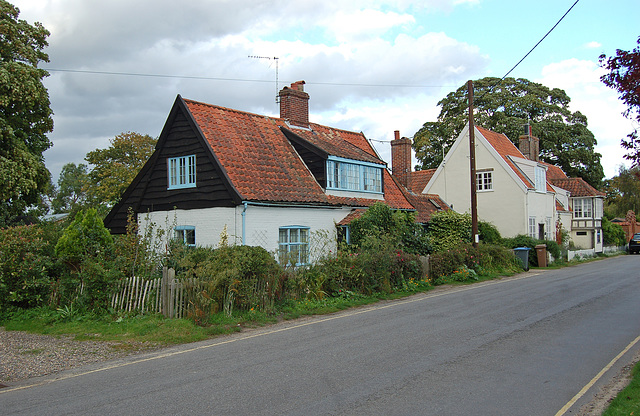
x,y
627,402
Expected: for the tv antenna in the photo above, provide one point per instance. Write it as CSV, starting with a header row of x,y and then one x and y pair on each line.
x,y
276,59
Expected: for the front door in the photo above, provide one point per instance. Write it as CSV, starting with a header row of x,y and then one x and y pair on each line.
x,y
541,232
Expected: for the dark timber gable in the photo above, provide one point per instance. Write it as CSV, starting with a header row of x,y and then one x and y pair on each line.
x,y
149,190
314,157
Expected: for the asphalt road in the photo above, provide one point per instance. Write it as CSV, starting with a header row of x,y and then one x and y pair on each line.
x,y
518,346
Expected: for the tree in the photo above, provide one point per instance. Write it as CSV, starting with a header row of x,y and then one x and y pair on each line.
x,y
623,192
505,107
25,114
70,193
624,77
115,167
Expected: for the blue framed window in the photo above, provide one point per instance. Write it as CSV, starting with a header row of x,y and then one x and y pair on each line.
x,y
182,172
351,175
186,234
293,244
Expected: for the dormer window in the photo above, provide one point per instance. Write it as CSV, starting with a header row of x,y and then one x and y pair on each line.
x,y
181,172
541,179
353,175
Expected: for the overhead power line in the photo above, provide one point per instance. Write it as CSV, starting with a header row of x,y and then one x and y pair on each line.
x,y
534,46
138,74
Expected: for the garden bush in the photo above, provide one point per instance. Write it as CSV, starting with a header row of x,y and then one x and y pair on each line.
x,y
381,222
448,230
521,240
234,277
26,261
86,247
466,262
376,267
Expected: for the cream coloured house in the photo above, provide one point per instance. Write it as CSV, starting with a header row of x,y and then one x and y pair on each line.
x,y
512,191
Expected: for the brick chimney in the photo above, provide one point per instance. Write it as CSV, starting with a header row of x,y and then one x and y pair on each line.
x,y
294,104
401,158
529,145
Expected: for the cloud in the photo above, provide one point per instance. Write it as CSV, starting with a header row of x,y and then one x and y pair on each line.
x,y
592,45
581,80
360,58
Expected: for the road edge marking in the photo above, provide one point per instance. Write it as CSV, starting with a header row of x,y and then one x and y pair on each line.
x,y
596,378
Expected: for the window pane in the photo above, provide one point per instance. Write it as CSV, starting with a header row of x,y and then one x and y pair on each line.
x,y
294,245
284,236
190,237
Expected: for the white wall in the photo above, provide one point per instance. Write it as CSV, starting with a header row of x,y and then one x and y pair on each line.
x,y
505,206
261,225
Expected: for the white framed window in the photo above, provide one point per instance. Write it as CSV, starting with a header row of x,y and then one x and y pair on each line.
x,y
484,181
353,176
532,227
186,234
182,172
582,208
293,244
548,229
541,179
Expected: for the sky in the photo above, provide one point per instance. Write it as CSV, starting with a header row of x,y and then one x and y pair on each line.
x,y
373,66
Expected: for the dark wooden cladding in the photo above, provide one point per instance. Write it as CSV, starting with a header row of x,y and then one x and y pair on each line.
x,y
313,157
149,191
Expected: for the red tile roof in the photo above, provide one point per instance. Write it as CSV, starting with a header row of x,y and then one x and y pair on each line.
x,y
418,180
264,166
554,172
335,142
506,148
578,187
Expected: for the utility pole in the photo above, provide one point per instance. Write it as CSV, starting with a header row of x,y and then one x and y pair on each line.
x,y
472,161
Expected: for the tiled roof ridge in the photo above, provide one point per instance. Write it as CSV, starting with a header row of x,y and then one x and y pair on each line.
x,y
233,110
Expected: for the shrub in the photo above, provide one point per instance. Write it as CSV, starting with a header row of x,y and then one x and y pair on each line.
x,y
381,222
86,246
488,232
376,267
26,257
613,234
525,241
455,264
234,277
448,229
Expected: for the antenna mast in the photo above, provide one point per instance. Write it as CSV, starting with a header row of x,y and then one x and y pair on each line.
x,y
276,59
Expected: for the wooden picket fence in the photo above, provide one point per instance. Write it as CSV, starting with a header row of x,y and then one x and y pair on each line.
x,y
164,295
172,297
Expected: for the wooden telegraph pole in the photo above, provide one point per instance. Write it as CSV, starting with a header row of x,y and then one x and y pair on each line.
x,y
472,161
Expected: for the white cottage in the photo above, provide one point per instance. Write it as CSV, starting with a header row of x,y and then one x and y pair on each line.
x,y
512,191
271,182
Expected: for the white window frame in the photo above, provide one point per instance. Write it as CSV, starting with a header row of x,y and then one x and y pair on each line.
x,y
351,175
548,229
583,208
181,172
533,227
293,245
484,181
186,234
541,179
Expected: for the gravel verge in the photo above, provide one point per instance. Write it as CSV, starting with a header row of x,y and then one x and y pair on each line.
x,y
24,355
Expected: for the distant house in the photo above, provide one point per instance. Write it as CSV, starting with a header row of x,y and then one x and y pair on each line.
x,y
280,183
585,204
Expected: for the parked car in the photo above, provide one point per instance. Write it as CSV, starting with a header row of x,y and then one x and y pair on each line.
x,y
634,244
